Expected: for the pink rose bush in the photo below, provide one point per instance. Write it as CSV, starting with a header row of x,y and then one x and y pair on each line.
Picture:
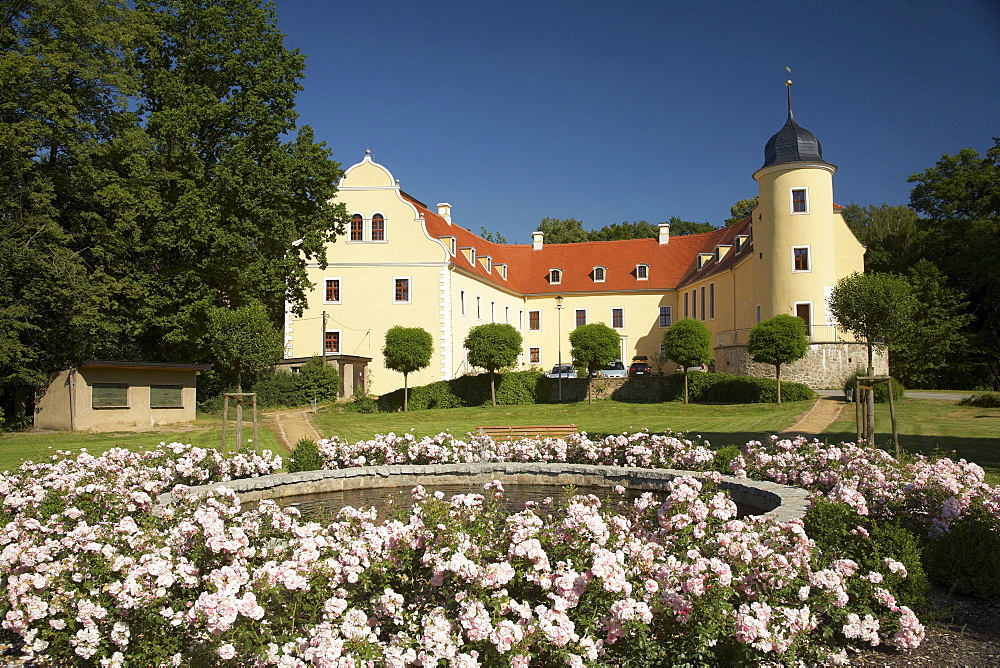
x,y
94,570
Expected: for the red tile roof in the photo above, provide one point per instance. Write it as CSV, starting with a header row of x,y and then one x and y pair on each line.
x,y
670,265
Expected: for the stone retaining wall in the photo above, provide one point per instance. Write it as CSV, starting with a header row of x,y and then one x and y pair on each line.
x,y
780,502
825,366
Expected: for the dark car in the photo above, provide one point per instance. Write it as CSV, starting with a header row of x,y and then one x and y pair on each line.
x,y
639,369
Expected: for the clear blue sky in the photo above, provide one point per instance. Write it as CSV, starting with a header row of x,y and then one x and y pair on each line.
x,y
615,111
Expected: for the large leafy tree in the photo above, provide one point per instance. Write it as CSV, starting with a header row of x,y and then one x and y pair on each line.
x,y
959,199
407,349
778,340
933,350
493,346
741,209
891,235
594,346
563,231
570,230
688,343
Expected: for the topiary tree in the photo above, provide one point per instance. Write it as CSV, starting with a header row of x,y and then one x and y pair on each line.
x,y
493,346
594,346
779,340
243,340
688,343
407,349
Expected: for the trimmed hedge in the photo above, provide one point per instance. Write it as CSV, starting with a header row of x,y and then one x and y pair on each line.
x,y
513,389
724,388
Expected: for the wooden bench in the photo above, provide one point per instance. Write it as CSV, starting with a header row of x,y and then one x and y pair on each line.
x,y
527,431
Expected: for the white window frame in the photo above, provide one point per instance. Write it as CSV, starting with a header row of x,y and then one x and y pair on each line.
x,y
539,350
539,328
642,272
809,323
603,271
409,290
461,301
617,308
520,320
493,311
555,273
479,307
385,228
364,228
669,313
576,316
808,250
791,200
340,290
340,342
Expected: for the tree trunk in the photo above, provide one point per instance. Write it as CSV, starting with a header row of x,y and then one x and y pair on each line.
x,y
870,400
493,387
777,376
685,385
406,396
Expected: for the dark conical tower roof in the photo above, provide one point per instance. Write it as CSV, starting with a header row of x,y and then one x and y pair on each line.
x,y
792,143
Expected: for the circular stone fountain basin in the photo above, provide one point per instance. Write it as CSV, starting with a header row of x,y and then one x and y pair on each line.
x,y
755,497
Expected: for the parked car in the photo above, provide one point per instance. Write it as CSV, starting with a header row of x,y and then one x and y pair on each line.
x,y
640,369
564,371
614,370
701,367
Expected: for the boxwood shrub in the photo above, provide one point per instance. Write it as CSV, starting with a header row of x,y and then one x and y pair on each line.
x,y
516,388
725,388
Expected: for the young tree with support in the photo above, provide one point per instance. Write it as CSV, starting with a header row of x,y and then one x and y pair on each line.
x,y
688,343
779,340
493,346
407,349
595,346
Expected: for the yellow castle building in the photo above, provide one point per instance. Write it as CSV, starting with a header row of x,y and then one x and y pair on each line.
x,y
403,263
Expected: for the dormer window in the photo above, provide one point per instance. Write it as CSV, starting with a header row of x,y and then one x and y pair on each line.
x,y
452,244
502,270
555,276
487,263
703,258
357,227
599,274
642,272
378,227
741,241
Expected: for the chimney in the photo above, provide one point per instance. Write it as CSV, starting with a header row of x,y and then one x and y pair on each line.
x,y
536,240
664,233
444,210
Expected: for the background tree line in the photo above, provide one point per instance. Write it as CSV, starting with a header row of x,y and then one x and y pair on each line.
x,y
151,173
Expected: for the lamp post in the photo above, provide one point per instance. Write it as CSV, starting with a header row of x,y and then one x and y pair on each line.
x,y
559,306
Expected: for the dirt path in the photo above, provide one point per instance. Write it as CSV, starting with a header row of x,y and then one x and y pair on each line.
x,y
291,425
823,413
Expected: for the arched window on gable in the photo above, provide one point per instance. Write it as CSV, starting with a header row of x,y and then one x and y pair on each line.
x,y
378,227
555,276
357,228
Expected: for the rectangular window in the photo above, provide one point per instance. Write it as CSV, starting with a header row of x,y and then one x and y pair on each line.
x,y
598,274
109,395
461,301
520,320
401,290
800,259
686,314
581,317
758,313
800,202
534,355
711,301
665,317
493,317
479,307
166,396
534,320
357,227
506,314
331,342
694,303
642,271
617,318
702,314
332,293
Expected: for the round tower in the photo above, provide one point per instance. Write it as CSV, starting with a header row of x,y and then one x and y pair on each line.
x,y
794,237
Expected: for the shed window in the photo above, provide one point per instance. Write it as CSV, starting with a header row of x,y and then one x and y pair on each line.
x,y
109,395
166,396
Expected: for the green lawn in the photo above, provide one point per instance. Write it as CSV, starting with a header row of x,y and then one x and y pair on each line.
x,y
721,424
206,431
928,425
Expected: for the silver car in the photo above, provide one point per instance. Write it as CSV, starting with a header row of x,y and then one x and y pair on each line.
x,y
615,370
564,371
